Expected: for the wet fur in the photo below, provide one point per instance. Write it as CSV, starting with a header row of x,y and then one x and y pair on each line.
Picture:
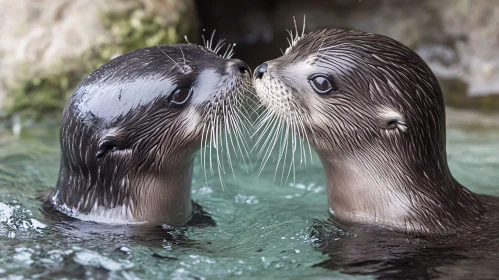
x,y
123,144
380,136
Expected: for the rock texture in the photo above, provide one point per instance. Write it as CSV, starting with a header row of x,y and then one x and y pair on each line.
x,y
458,38
47,37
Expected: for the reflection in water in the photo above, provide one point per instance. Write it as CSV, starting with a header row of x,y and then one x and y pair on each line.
x,y
263,229
367,250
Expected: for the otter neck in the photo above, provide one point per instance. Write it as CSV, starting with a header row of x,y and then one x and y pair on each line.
x,y
155,198
165,198
417,198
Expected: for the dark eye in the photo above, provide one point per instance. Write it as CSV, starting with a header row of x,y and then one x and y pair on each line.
x,y
322,84
181,95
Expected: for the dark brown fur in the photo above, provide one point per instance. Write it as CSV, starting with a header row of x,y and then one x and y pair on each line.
x,y
125,144
380,134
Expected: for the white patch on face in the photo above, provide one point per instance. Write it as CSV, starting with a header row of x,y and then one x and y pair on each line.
x,y
110,100
319,120
206,84
193,119
210,87
300,70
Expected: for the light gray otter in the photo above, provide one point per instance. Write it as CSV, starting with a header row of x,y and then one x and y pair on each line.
x,y
374,112
130,131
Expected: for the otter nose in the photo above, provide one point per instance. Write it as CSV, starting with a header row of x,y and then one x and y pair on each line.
x,y
260,70
241,66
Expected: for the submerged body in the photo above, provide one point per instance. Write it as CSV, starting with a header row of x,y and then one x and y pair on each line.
x,y
374,112
370,250
130,130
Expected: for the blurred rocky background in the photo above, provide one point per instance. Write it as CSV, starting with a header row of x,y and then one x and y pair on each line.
x,y
47,46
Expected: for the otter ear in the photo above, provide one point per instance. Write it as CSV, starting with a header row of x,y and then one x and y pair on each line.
x,y
110,142
392,119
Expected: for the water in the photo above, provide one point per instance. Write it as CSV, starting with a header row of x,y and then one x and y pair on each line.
x,y
264,229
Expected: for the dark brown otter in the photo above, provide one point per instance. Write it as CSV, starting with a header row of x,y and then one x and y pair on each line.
x,y
374,112
130,130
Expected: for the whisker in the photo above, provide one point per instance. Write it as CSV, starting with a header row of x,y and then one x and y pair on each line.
x,y
219,45
211,39
204,40
226,51
283,151
296,27
291,36
270,127
212,133
231,53
293,164
303,30
240,142
170,58
269,121
185,63
271,146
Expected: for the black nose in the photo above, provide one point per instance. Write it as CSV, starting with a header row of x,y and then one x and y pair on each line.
x,y
241,66
260,70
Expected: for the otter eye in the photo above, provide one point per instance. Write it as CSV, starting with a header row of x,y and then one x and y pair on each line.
x,y
321,84
181,95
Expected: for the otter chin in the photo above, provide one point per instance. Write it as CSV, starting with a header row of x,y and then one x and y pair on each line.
x,y
374,112
130,131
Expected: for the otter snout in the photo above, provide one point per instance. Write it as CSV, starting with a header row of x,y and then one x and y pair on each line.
x,y
240,66
260,70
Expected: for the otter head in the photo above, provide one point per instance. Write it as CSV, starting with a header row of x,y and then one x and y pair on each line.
x,y
130,130
374,112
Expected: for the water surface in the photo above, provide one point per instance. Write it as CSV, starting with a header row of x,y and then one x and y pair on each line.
x,y
264,229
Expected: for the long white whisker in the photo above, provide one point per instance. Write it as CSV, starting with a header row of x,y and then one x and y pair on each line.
x,y
185,63
227,50
271,127
211,39
283,151
293,151
219,45
271,146
296,27
170,58
303,30
291,37
270,123
231,53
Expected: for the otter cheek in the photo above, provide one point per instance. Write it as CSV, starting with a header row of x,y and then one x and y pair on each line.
x,y
319,120
192,120
317,109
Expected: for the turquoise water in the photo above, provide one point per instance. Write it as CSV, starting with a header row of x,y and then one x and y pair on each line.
x,y
264,229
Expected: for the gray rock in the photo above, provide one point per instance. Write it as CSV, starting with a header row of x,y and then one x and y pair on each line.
x,y
45,36
458,38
